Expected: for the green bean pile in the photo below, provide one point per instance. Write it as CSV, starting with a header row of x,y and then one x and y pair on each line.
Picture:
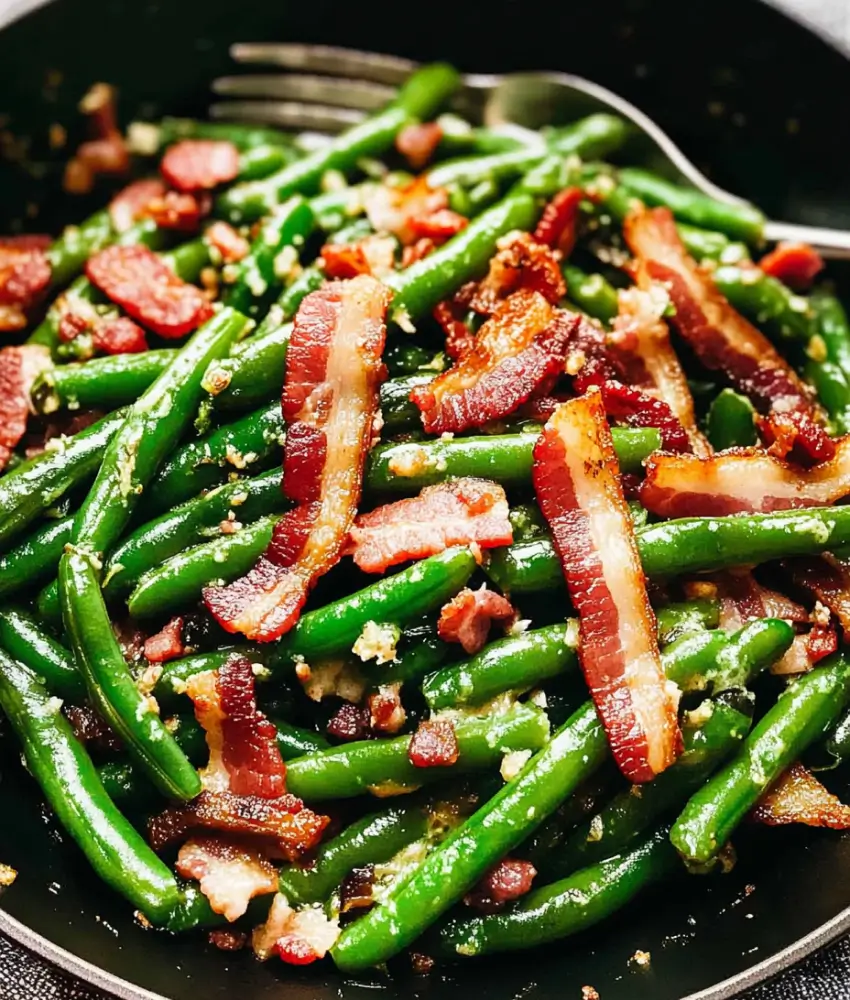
x,y
173,486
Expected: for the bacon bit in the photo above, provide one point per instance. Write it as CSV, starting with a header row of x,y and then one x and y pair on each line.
x,y
829,580
297,937
459,338
118,335
467,617
226,939
459,512
418,251
722,339
520,263
222,237
796,436
129,205
515,353
794,264
421,964
244,755
386,712
106,152
26,241
351,722
135,278
743,599
355,891
438,226
167,644
821,641
230,874
391,209
91,729
373,255
200,164
181,211
330,400
19,368
557,225
434,744
798,797
639,409
505,882
741,481
417,143
24,275
578,489
642,341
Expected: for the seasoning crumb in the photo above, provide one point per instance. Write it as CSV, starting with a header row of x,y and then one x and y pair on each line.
x,y
7,876
589,993
641,959
422,964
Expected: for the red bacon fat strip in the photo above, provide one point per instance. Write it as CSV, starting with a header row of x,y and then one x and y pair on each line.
x,y
558,223
794,264
722,339
330,400
515,353
576,480
741,481
200,164
467,617
798,797
521,263
19,368
460,512
135,278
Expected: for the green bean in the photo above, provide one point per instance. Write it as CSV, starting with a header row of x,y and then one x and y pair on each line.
x,y
35,558
27,641
111,687
420,96
731,421
833,327
675,620
556,911
418,653
833,391
767,301
100,383
171,685
152,137
405,468
70,783
35,485
689,545
380,765
406,358
516,663
252,375
837,743
828,364
740,221
591,293
705,244
67,254
458,136
803,714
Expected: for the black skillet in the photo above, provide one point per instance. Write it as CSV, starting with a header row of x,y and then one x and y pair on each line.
x,y
750,96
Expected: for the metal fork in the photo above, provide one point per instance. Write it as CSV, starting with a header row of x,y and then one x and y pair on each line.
x,y
333,88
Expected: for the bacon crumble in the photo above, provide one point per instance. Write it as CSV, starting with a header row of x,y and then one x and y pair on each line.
x,y
794,264
434,744
467,617
418,142
798,797
167,644
200,164
230,874
230,244
19,368
558,224
510,879
520,263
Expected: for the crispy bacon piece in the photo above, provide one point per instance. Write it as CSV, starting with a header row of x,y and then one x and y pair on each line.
x,y
829,580
232,246
417,251
244,756
386,712
459,512
796,436
639,409
821,641
135,278
167,644
355,890
392,209
720,336
578,489
230,874
798,797
330,401
459,338
741,481
178,210
283,824
200,164
19,368
350,722
743,599
558,223
92,730
794,264
24,275
373,255
438,226
118,335
297,937
227,939
129,205
434,744
517,351
521,263
106,152
467,617
641,341
417,143
508,880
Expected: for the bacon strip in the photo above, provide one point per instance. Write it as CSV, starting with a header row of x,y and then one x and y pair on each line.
x,y
330,401
829,580
642,342
558,224
200,164
24,275
516,352
576,480
230,874
798,797
461,512
130,203
741,481
795,264
720,336
521,263
19,368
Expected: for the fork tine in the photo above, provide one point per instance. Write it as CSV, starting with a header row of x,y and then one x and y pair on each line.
x,y
301,87
288,114
372,66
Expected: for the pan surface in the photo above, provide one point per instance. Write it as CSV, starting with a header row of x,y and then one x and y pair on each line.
x,y
754,99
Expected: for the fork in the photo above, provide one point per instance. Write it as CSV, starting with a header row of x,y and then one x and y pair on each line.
x,y
334,88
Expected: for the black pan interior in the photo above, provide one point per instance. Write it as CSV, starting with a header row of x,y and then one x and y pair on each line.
x,y
756,101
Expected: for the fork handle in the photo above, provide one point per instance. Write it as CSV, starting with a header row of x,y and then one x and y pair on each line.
x,y
833,244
